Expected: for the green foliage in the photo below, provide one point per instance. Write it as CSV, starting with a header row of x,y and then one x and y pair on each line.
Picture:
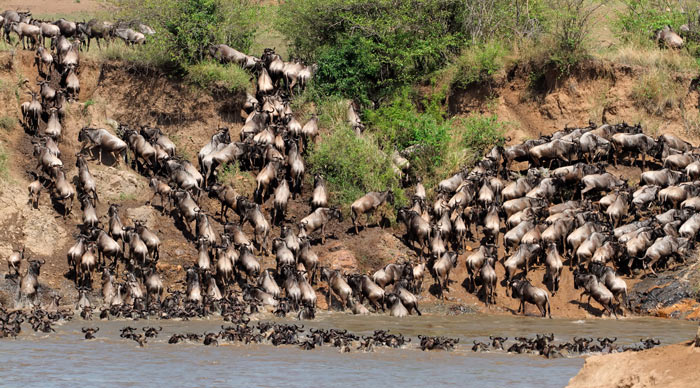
x,y
127,197
399,125
228,172
90,102
479,63
435,147
638,21
359,168
481,132
186,28
571,22
8,123
209,75
365,48
350,70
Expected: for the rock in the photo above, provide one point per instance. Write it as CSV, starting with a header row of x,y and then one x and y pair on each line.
x,y
112,123
664,294
37,229
118,185
143,213
342,259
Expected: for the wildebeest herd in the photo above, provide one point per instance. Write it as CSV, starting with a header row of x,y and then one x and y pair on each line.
x,y
242,331
565,207
33,33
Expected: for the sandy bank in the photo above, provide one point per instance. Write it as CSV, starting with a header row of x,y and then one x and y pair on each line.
x,y
668,366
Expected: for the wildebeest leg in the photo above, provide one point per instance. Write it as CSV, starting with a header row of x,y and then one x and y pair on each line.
x,y
543,310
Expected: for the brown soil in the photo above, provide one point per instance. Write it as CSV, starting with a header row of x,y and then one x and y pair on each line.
x,y
667,366
598,91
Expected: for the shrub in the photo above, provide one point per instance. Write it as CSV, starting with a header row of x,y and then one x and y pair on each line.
x,y
478,63
350,70
399,125
359,168
434,146
481,132
185,28
571,22
209,75
365,48
639,19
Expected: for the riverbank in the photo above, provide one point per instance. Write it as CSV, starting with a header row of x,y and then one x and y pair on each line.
x,y
668,366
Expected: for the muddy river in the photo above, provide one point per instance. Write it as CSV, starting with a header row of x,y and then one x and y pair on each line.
x,y
64,358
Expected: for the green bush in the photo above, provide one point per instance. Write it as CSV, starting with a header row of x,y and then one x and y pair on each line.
x,y
639,19
399,125
571,23
481,132
478,63
209,75
365,48
350,70
185,28
434,146
353,165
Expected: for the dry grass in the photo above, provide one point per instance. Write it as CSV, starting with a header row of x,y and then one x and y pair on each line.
x,y
691,122
599,99
658,91
653,58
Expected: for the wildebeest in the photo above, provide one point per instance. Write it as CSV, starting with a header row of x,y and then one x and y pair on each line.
x,y
522,289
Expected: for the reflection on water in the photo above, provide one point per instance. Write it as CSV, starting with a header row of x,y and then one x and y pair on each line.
x,y
65,358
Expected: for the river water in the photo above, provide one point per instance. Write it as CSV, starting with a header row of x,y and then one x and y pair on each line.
x,y
65,359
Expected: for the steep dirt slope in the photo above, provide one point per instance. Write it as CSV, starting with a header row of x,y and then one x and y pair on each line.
x,y
539,101
108,92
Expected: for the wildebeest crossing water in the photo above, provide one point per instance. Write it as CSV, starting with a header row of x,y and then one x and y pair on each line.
x,y
64,357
